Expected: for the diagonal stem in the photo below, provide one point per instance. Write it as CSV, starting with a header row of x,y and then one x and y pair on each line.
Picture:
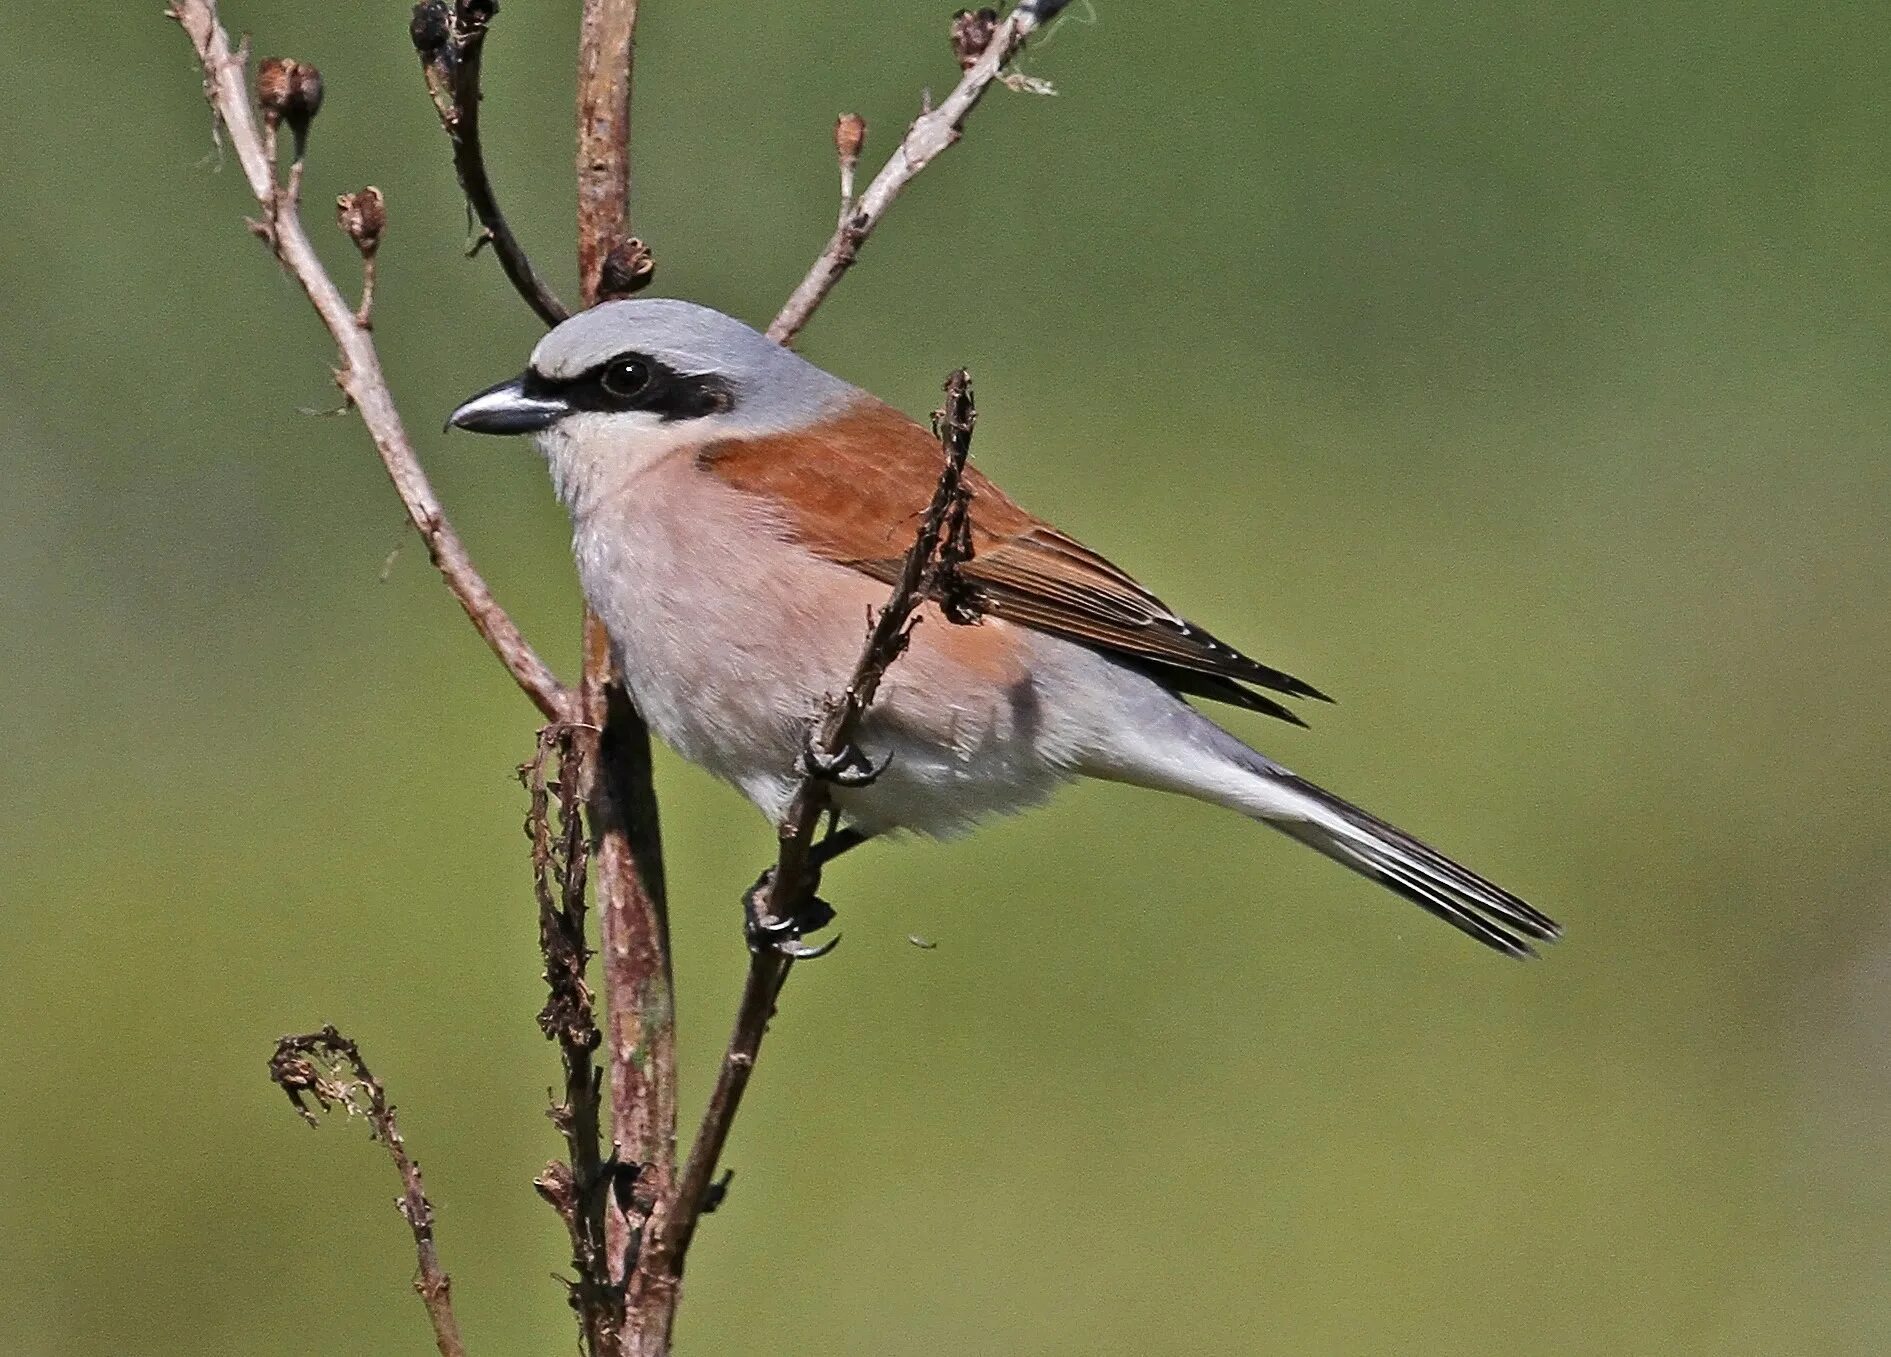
x,y
360,376
788,888
929,136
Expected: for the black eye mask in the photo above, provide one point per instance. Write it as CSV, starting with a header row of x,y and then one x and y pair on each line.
x,y
636,381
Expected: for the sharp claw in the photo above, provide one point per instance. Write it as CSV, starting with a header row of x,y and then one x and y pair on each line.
x,y
784,935
803,952
864,773
849,768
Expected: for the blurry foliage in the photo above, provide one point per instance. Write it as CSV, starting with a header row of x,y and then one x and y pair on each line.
x,y
1516,373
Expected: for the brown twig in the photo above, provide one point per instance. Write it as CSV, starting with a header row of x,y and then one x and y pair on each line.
x,y
606,53
931,133
580,1187
633,923
451,40
360,376
788,888
325,1068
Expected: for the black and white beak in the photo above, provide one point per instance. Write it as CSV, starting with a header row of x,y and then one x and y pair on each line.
x,y
509,408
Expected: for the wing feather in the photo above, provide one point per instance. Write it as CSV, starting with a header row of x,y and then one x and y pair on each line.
x,y
854,498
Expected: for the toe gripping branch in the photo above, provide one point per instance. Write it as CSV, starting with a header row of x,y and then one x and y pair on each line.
x,y
781,934
848,767
768,932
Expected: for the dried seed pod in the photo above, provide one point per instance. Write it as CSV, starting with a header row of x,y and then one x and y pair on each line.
x,y
850,135
362,217
272,88
474,14
430,28
305,97
627,269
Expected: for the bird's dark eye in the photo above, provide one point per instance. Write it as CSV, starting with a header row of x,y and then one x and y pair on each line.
x,y
624,378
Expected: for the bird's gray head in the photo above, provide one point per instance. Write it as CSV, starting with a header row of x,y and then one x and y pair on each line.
x,y
656,366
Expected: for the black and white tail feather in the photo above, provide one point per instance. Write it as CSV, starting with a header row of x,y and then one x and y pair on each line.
x,y
1388,855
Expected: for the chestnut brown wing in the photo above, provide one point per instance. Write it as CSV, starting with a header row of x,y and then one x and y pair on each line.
x,y
853,492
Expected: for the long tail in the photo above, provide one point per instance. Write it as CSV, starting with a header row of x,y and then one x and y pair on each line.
x,y
1147,735
1388,855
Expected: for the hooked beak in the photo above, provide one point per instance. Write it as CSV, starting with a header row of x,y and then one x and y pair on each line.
x,y
508,409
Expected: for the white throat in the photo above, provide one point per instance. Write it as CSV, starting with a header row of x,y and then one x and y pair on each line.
x,y
595,458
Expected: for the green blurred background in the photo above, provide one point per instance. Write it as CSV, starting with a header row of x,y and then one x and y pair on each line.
x,y
1516,372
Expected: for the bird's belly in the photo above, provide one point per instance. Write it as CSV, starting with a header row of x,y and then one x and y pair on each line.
x,y
732,676
949,755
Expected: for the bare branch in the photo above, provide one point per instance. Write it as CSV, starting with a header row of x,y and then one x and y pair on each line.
x,y
360,376
634,937
931,133
633,922
606,51
580,1188
326,1069
786,891
451,40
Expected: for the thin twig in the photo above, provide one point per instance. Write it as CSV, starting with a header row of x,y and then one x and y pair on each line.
x,y
451,40
580,1187
362,217
360,376
325,1068
931,133
790,885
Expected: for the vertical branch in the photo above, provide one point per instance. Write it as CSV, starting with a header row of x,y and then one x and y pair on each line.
x,y
606,50
633,924
578,1187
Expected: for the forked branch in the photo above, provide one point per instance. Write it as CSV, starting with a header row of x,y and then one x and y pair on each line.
x,y
631,1222
929,136
360,376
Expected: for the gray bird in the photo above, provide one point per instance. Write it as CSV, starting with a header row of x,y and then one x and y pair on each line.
x,y
738,513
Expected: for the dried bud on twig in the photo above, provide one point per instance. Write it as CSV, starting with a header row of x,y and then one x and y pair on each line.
x,y
288,91
305,97
850,135
971,34
363,216
430,28
272,89
627,268
475,14
557,1186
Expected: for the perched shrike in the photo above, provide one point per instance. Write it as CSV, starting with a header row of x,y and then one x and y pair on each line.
x,y
737,514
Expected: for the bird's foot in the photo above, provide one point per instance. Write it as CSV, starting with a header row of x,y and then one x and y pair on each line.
x,y
848,768
766,932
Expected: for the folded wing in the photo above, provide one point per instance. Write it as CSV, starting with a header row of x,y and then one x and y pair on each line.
x,y
856,500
